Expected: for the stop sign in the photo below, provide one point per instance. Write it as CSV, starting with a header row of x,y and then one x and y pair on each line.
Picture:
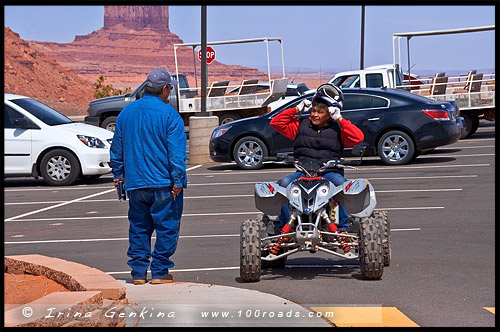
x,y
210,55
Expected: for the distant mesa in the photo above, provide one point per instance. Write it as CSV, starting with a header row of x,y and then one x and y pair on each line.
x,y
133,41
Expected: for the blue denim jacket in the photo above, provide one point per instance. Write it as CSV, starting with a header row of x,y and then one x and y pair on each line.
x,y
149,145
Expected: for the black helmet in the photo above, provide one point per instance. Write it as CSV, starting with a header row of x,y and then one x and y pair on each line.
x,y
329,94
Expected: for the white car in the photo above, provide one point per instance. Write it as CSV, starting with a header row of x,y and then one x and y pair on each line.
x,y
39,141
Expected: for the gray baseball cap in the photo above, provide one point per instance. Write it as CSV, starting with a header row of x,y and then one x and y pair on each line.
x,y
157,78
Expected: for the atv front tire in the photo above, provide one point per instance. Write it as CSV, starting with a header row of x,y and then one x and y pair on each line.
x,y
371,255
250,262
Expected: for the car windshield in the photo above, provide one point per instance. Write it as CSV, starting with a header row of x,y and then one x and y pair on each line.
x,y
44,113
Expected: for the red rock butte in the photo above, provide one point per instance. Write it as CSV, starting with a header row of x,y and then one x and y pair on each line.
x,y
133,41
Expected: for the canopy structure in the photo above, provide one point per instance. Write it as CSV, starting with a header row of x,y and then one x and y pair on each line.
x,y
409,35
239,41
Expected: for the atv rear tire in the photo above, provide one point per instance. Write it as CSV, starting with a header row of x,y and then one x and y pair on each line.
x,y
250,262
371,255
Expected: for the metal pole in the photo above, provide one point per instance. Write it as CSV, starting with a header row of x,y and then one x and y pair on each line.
x,y
204,61
362,58
268,66
195,74
408,49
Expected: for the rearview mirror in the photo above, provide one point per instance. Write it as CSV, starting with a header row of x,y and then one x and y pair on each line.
x,y
360,149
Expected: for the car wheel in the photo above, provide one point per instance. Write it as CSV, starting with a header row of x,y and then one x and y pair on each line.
x,y
229,117
60,168
109,123
395,148
249,153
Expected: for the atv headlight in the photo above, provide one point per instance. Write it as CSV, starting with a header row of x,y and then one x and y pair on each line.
x,y
323,191
91,142
295,191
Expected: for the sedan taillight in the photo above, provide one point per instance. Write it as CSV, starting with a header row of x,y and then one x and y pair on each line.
x,y
437,115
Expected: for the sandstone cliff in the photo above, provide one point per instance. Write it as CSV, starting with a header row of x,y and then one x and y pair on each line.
x,y
133,41
30,73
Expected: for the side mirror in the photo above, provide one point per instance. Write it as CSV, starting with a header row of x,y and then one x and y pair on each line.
x,y
360,149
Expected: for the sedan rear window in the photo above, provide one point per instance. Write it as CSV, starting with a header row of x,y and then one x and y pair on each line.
x,y
44,113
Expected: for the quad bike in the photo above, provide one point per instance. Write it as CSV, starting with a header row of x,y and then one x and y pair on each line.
x,y
313,223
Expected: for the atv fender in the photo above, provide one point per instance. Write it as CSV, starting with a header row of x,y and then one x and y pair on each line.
x,y
269,198
358,197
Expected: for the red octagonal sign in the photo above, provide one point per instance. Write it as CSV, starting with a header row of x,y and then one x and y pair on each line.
x,y
210,55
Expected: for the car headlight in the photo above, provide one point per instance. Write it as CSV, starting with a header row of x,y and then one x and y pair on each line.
x,y
220,132
323,191
91,142
295,191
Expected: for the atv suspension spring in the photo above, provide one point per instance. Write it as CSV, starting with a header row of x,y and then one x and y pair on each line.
x,y
342,243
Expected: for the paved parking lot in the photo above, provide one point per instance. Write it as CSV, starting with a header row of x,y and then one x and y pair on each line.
x,y
441,209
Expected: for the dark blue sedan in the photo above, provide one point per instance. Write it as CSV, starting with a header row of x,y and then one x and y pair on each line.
x,y
397,125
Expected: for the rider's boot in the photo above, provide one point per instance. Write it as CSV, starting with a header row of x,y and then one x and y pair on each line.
x,y
340,239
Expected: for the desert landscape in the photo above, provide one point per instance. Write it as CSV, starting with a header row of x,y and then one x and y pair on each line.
x,y
63,75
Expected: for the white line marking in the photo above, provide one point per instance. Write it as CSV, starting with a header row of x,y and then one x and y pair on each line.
x,y
465,147
405,229
415,190
194,167
385,168
229,196
58,205
206,214
154,237
189,270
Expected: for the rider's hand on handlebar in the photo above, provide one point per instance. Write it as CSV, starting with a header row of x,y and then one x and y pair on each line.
x,y
304,106
334,112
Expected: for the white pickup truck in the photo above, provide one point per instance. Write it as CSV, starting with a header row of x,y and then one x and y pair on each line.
x,y
474,93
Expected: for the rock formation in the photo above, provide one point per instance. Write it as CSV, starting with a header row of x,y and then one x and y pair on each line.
x,y
30,73
133,41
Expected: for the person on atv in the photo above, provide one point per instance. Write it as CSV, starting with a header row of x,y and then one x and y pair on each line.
x,y
319,138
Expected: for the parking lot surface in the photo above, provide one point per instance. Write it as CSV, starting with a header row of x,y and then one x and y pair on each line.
x,y
441,208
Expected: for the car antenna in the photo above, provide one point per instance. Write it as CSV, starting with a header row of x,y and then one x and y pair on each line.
x,y
298,71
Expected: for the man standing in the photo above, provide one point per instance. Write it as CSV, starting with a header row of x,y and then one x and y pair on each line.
x,y
319,138
148,153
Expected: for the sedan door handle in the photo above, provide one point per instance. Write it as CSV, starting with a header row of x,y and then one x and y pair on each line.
x,y
373,119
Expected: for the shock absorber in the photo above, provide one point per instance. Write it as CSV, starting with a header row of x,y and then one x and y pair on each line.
x,y
333,228
286,229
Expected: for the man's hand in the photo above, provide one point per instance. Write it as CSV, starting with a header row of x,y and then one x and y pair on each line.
x,y
118,180
176,191
334,113
304,106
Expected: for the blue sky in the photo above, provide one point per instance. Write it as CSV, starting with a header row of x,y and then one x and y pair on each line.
x,y
314,37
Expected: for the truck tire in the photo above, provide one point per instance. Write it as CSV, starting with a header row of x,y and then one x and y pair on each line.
x,y
386,239
471,122
109,123
250,262
227,117
249,153
371,256
395,148
60,167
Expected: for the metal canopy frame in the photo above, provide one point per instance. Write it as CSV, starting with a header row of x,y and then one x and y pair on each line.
x,y
266,40
409,35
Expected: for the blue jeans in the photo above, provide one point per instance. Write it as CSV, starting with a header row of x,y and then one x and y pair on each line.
x,y
335,178
153,210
